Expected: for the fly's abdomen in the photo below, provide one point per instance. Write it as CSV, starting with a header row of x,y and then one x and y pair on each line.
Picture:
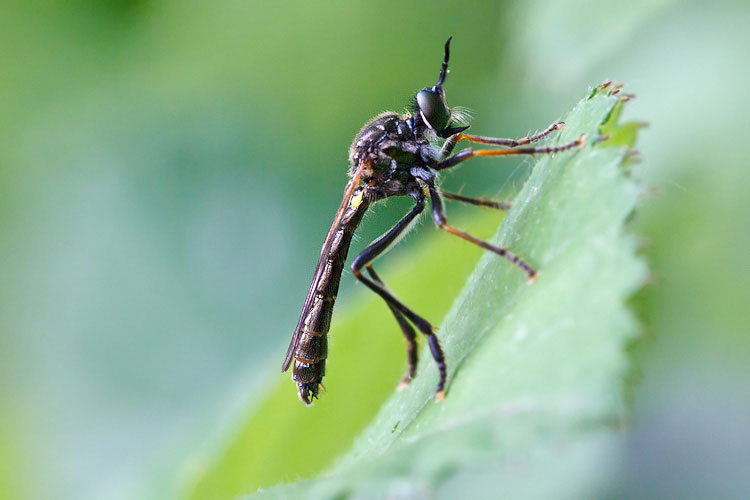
x,y
311,350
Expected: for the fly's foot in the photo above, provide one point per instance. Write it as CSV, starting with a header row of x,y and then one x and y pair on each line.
x,y
405,381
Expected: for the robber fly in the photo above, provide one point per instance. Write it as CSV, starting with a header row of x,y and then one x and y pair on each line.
x,y
394,155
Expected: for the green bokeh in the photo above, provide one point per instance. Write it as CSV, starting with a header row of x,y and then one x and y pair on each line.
x,y
168,170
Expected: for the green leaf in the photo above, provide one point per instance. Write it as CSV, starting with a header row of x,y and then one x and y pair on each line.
x,y
536,371
281,439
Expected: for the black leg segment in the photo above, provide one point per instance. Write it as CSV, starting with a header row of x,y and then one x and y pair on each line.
x,y
408,331
376,285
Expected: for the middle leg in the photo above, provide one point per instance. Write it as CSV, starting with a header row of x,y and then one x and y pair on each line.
x,y
480,202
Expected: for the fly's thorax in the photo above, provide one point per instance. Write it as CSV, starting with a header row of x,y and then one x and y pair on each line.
x,y
389,136
369,136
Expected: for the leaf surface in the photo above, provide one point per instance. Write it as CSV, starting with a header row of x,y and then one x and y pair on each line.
x,y
536,371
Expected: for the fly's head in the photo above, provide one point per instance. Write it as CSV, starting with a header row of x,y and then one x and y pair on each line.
x,y
432,107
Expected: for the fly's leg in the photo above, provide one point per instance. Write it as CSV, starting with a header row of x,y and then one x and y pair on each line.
x,y
422,325
437,204
470,153
439,215
408,331
447,148
480,202
370,253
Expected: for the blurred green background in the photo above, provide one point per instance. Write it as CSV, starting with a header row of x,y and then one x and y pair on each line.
x,y
168,171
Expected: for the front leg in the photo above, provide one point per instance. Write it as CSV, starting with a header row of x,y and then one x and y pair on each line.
x,y
470,153
448,146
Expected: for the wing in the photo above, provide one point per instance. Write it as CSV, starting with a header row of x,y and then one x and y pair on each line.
x,y
348,192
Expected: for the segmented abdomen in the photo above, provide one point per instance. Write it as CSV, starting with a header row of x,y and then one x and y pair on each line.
x,y
312,345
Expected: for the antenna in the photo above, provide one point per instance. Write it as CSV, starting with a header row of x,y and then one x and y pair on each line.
x,y
444,70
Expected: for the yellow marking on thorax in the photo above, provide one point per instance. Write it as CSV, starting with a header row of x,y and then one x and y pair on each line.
x,y
357,199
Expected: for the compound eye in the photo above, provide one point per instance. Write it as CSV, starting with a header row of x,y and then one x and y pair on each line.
x,y
434,108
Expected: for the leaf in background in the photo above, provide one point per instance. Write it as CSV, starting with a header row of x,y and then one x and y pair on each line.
x,y
536,371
